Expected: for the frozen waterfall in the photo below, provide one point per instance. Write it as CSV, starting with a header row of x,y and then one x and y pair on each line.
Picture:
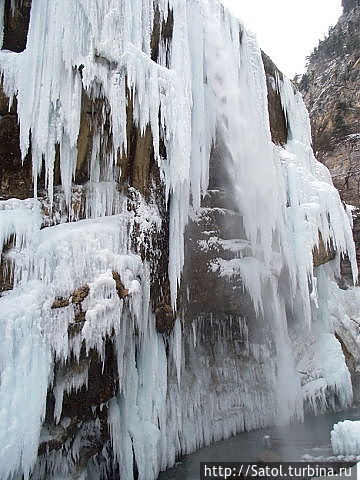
x,y
66,249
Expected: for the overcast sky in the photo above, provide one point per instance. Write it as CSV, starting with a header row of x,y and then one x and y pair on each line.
x,y
287,30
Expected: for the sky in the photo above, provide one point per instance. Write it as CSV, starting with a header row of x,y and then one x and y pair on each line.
x,y
287,30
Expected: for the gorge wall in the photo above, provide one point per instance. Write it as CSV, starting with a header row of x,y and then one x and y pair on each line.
x,y
170,245
331,90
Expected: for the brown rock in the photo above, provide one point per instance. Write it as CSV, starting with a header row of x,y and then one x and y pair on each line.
x,y
76,326
80,317
15,175
121,290
16,25
79,295
84,142
278,124
136,166
60,302
102,383
323,253
164,319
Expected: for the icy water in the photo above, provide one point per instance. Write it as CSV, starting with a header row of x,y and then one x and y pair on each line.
x,y
291,443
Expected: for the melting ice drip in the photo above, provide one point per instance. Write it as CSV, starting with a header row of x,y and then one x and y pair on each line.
x,y
208,83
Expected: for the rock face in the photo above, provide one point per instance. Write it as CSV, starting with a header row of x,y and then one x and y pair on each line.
x,y
278,125
349,4
331,90
15,175
323,253
164,227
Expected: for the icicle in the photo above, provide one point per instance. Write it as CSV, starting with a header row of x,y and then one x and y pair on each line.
x,y
2,6
177,348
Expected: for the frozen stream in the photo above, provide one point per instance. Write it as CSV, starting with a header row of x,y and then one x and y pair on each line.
x,y
291,443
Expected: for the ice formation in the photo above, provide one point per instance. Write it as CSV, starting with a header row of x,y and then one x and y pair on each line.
x,y
207,85
345,438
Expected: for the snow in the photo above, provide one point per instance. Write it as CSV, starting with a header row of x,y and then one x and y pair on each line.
x,y
212,378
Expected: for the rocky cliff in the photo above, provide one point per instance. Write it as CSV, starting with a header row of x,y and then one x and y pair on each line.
x,y
331,90
170,245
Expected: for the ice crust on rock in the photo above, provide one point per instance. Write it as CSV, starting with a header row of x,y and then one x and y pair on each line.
x,y
206,381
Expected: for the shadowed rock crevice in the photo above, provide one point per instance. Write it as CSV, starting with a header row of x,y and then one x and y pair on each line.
x,y
162,33
278,123
16,24
6,269
102,382
83,407
15,175
84,143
